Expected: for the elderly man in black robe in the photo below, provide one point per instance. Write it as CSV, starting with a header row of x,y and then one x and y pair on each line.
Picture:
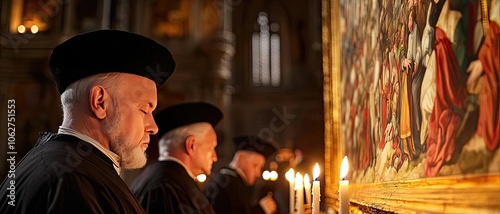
x,y
108,82
186,149
231,189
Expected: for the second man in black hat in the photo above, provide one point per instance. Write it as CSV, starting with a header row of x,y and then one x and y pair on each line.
x,y
186,149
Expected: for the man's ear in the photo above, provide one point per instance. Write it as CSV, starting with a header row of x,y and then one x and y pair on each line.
x,y
99,101
190,145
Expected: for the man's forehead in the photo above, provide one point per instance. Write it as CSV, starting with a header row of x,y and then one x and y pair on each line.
x,y
143,88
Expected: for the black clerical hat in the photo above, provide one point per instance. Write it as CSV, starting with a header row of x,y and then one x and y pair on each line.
x,y
185,114
105,51
255,144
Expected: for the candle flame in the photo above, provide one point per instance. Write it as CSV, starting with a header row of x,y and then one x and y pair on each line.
x,y
298,181
266,175
21,29
290,175
316,171
273,175
307,182
201,178
344,168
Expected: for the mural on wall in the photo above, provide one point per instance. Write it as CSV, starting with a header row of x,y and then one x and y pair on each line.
x,y
420,83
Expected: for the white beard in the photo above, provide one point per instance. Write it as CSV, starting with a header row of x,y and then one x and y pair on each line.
x,y
131,156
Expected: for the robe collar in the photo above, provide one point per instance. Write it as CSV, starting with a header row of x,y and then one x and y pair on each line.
x,y
170,158
111,155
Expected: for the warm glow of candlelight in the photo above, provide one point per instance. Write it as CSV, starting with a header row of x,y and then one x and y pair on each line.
x,y
307,181
21,29
298,181
290,175
307,189
34,29
273,175
266,175
316,190
299,187
316,171
201,178
344,188
344,168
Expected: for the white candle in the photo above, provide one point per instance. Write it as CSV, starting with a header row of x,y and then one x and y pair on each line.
x,y
299,187
316,190
307,189
290,177
344,187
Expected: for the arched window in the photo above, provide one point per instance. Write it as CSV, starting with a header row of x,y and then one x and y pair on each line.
x,y
266,51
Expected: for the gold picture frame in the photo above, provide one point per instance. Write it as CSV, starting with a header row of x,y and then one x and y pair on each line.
x,y
470,193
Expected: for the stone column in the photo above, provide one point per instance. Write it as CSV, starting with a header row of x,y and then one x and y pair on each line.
x,y
219,51
106,14
122,15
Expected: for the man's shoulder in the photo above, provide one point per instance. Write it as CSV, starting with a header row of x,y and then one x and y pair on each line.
x,y
62,152
226,178
162,175
39,182
61,156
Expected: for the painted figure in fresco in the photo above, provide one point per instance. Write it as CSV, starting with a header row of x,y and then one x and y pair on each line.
x,y
399,104
391,131
417,77
410,76
384,94
450,90
484,77
375,102
428,87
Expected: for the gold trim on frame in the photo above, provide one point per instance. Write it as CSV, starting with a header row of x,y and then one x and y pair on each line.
x,y
331,94
451,194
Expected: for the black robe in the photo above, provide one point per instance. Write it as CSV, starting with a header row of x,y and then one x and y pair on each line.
x,y
228,193
63,174
166,187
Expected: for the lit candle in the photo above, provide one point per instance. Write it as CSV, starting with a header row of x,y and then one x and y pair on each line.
x,y
299,187
316,190
344,187
307,188
266,175
273,176
290,178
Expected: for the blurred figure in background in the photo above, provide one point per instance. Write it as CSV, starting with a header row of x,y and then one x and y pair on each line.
x,y
186,149
230,190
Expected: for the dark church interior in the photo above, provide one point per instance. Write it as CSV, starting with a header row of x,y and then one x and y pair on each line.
x,y
213,43
395,101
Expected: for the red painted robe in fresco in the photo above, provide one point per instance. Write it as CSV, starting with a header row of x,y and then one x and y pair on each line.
x,y
489,110
447,112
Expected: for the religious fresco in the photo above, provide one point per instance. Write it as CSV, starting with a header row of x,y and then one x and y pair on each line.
x,y
419,82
